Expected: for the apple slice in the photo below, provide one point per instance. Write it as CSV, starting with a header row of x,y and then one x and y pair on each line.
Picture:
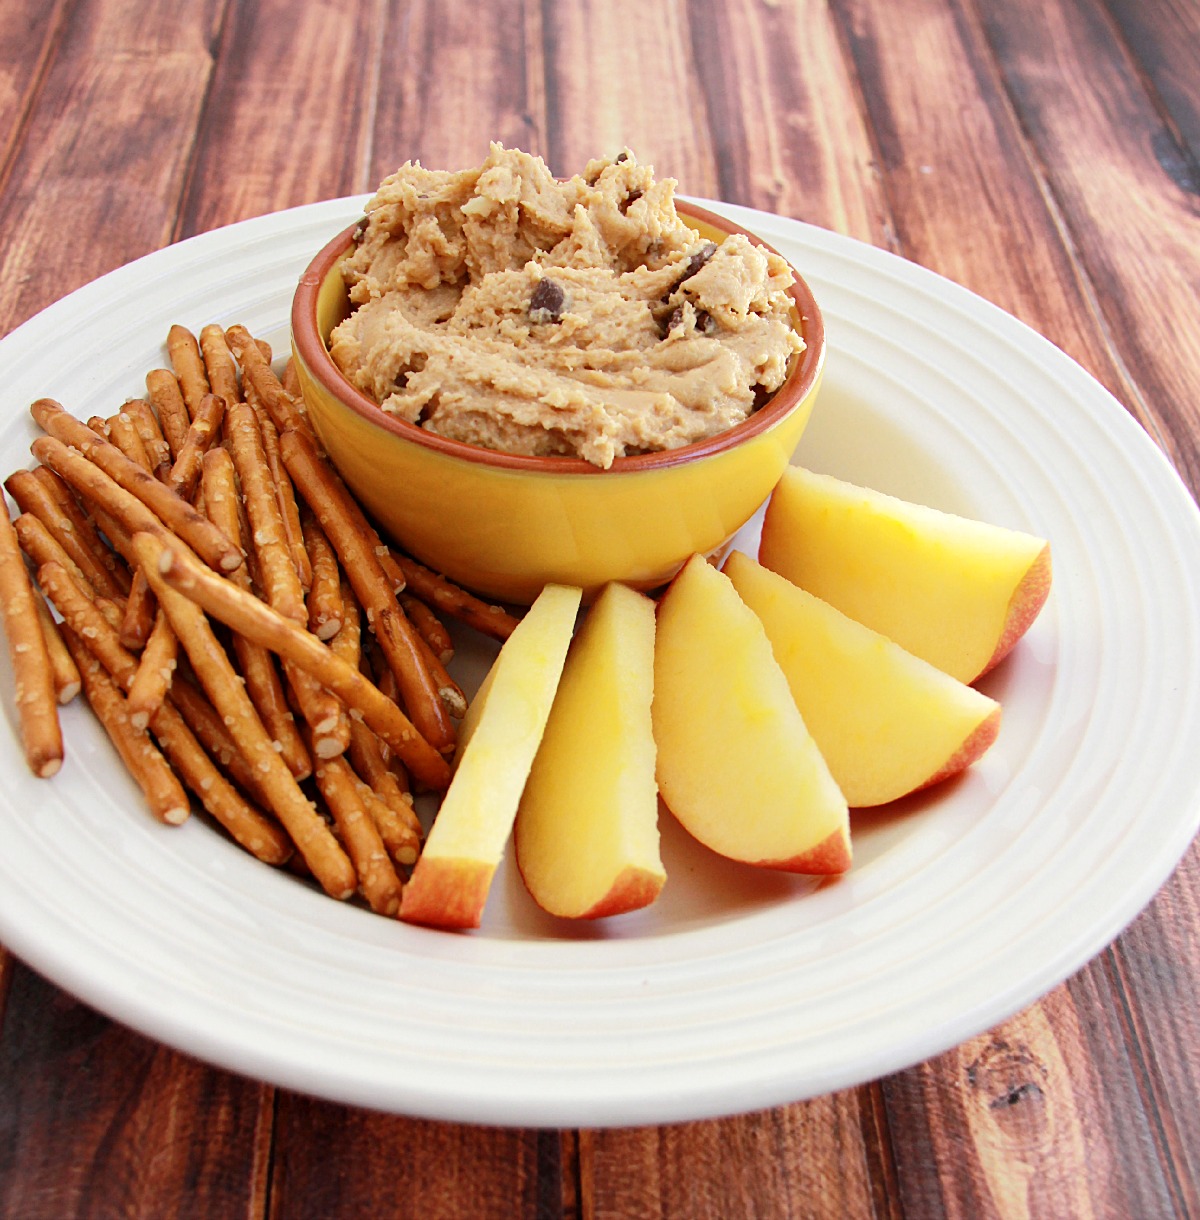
x,y
497,741
736,764
886,722
956,592
587,827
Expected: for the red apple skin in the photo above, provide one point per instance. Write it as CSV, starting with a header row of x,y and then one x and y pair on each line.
x,y
632,889
1023,607
828,858
446,893
975,746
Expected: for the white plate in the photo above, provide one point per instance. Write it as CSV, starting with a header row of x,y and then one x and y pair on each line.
x,y
739,989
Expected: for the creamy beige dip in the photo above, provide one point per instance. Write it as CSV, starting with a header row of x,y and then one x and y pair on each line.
x,y
504,308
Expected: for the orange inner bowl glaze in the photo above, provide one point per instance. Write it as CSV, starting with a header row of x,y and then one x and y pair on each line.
x,y
505,525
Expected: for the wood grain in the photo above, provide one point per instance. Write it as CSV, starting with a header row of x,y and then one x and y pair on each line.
x,y
457,78
785,140
967,198
337,1162
29,32
1019,1122
1163,36
814,1159
620,75
1127,194
317,63
1156,965
107,146
96,1121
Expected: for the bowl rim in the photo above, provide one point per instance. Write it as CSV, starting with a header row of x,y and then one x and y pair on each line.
x,y
799,384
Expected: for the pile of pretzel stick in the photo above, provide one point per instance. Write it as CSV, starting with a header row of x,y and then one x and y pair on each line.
x,y
194,565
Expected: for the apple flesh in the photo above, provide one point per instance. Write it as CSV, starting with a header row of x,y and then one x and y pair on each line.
x,y
587,826
886,722
736,765
955,592
497,742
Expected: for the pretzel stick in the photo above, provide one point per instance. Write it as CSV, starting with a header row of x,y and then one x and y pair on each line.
x,y
99,425
204,430
277,572
376,877
163,387
319,707
42,547
155,444
197,770
34,498
402,842
386,681
263,683
33,679
280,405
325,605
334,739
177,569
449,598
143,760
123,433
309,832
431,628
366,757
67,682
449,691
219,364
85,527
285,495
205,722
291,379
139,615
173,513
321,710
358,548
155,670
184,353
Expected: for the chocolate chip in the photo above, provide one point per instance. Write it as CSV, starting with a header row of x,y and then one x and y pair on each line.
x,y
698,260
622,157
547,302
706,324
631,198
359,233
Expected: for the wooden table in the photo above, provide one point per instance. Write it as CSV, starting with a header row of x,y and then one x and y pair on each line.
x,y
1045,153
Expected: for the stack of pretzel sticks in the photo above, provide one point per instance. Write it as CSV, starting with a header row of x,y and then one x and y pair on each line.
x,y
234,619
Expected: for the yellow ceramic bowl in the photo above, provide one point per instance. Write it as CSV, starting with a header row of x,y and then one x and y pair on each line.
x,y
506,525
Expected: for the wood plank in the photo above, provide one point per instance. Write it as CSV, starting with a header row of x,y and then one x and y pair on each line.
x,y
1164,37
288,118
29,31
784,115
815,1159
105,150
622,74
1157,966
97,1121
470,77
1037,1118
1133,217
967,198
338,1161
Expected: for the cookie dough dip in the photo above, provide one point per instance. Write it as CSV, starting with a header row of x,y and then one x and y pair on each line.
x,y
504,308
